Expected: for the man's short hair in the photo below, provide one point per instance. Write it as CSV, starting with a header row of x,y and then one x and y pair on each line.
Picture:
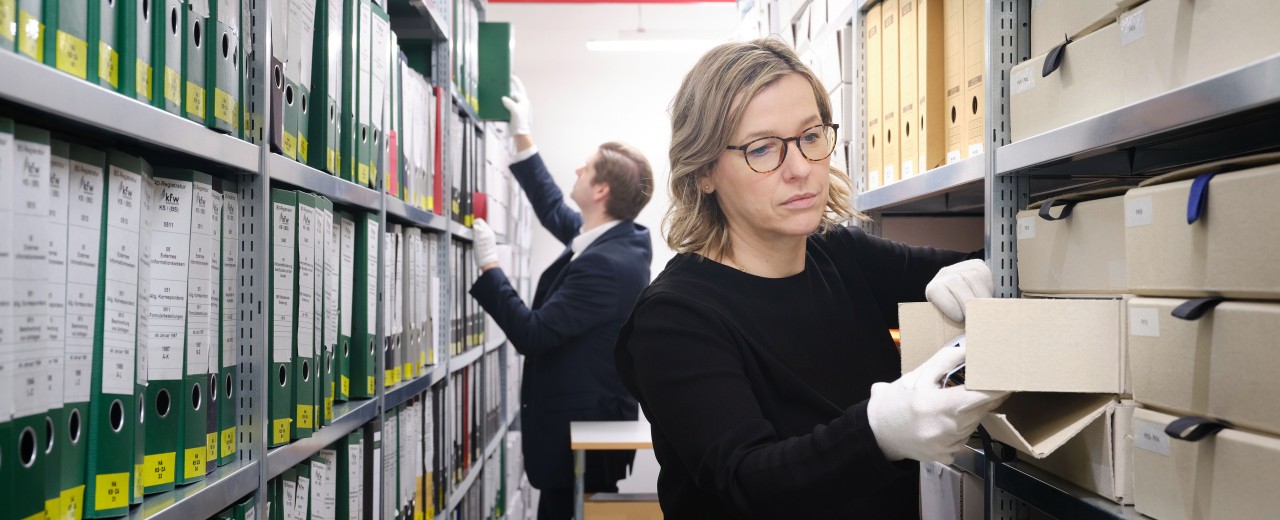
x,y
630,179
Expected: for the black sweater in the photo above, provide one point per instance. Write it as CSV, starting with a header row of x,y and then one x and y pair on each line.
x,y
757,388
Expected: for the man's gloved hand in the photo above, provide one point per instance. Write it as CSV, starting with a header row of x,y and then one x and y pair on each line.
x,y
518,105
915,418
955,285
485,246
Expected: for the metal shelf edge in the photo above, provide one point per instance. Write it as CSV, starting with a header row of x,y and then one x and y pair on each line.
x,y
1042,490
937,181
495,442
460,361
456,496
466,107
398,395
304,177
499,340
434,17
1229,93
461,232
221,489
414,215
46,89
357,414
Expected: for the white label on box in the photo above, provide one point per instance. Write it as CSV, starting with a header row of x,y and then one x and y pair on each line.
x,y
908,169
1149,436
1023,80
975,149
1137,212
889,175
1144,321
873,180
953,156
1026,228
1132,27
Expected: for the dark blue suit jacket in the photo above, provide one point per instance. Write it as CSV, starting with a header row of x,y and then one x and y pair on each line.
x,y
568,335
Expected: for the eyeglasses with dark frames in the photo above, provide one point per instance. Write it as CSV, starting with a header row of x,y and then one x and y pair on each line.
x,y
766,154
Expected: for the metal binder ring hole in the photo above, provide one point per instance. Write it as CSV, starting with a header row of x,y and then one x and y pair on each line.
x,y
146,10
333,113
284,375
173,21
163,403
226,46
73,427
27,447
213,388
142,409
888,136
195,34
195,397
50,433
304,103
907,129
346,348
116,415
328,367
277,76
306,371
230,389
288,94
921,128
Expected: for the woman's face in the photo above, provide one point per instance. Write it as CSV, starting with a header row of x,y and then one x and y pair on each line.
x,y
789,201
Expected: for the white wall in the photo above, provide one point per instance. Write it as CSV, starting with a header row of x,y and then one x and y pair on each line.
x,y
582,98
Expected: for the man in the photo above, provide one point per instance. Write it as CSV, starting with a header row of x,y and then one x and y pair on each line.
x,y
582,300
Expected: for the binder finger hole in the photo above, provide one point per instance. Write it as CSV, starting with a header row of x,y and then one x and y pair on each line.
x,y
50,432
888,136
173,21
284,375
346,349
975,104
228,387
304,102
953,114
213,388
196,37
328,367
907,130
73,427
333,114
163,403
146,10
142,409
288,94
116,416
196,397
226,46
306,371
27,447
277,76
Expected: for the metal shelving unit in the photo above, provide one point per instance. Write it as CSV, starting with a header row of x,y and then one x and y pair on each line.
x,y
461,361
494,344
416,20
346,418
461,232
460,492
301,176
950,188
1053,496
414,215
402,392
58,99
202,499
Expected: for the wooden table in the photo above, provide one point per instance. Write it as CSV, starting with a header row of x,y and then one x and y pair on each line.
x,y
602,435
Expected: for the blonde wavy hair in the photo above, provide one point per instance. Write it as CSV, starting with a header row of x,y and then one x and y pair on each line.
x,y
704,118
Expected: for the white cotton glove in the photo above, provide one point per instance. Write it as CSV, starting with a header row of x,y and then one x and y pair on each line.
x,y
955,285
485,245
518,105
915,418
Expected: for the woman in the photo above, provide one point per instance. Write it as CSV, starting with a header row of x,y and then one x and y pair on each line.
x,y
761,354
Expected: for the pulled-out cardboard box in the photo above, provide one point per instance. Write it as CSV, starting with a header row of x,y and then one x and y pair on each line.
x,y
923,330
1229,250
1079,253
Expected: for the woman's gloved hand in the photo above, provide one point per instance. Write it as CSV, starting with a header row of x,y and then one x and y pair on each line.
x,y
916,418
956,284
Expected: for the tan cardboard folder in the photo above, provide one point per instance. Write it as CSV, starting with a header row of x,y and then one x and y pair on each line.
x,y
923,330
1100,457
1082,253
930,86
1230,251
1244,365
908,91
889,84
1154,40
875,101
974,68
956,113
1228,34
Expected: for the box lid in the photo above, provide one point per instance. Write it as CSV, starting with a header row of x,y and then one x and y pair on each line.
x,y
1235,163
1039,423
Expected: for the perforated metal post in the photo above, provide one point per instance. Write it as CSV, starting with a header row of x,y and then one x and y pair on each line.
x,y
254,267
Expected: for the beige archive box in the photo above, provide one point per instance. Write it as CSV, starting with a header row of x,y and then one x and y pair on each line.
x,y
956,113
1230,251
1169,358
908,70
1082,253
949,494
1085,439
1087,84
1171,478
1228,34
875,100
1154,38
974,67
1046,345
890,80
930,86
923,331
1244,362
1244,476
1054,21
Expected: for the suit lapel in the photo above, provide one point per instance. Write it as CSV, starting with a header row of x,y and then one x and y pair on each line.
x,y
551,277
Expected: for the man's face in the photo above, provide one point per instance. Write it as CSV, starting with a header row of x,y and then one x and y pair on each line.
x,y
585,191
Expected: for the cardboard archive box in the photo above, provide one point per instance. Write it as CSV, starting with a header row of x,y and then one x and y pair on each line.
x,y
956,114
974,67
1088,83
1055,21
930,86
875,100
1229,250
1228,34
908,92
948,494
889,167
1082,252
1170,477
1154,40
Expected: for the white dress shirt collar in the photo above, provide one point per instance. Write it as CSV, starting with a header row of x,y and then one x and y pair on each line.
x,y
586,238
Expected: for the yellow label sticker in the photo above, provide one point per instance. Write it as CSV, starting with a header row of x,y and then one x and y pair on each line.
x,y
111,491
142,80
108,64
457,207
372,386
137,483
389,376
362,174
329,159
373,172
73,55
431,203
302,148
229,441
30,36
158,469
305,417
346,387
73,503
422,359
53,508
408,371
280,431
7,7
466,221
195,100
172,86
210,447
224,107
193,461
328,408
289,145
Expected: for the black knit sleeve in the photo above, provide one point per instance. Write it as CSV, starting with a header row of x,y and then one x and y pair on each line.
x,y
682,360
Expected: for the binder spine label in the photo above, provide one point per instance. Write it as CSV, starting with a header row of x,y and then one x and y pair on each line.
x,y
229,440
200,274
30,36
282,300
111,491
211,446
306,283
280,430
347,267
167,312
372,285
195,100
331,231
30,192
108,64
172,86
73,55
230,245
159,469
224,107
194,458
214,345
142,81
84,235
289,144
59,191
305,417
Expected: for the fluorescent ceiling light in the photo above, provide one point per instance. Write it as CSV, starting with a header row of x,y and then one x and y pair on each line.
x,y
649,45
